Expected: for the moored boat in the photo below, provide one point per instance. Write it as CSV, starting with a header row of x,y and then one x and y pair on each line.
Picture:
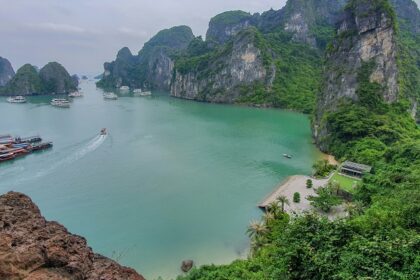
x,y
110,96
143,93
16,99
76,94
31,139
59,102
6,157
42,146
125,88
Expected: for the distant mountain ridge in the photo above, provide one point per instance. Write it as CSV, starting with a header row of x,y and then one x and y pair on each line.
x,y
53,78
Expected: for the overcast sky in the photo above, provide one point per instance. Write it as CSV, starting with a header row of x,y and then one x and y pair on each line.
x,y
82,34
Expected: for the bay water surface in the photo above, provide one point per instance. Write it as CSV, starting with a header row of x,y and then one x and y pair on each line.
x,y
172,180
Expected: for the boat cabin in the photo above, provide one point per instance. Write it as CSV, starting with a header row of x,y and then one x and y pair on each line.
x,y
354,169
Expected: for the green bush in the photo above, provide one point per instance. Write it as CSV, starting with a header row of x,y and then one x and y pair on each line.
x,y
309,184
296,197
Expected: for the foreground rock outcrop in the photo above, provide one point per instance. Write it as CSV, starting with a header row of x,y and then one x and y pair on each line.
x,y
6,71
36,249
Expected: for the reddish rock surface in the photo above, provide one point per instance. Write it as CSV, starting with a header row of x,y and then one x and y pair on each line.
x,y
32,248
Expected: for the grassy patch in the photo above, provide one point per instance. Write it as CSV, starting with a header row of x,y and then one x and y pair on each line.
x,y
346,183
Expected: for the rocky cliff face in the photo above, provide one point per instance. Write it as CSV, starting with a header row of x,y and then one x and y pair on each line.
x,y
153,66
218,78
365,40
6,71
33,248
56,79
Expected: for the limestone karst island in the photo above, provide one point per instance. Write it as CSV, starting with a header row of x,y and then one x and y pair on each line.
x,y
210,140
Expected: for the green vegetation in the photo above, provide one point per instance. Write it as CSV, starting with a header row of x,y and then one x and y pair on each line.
x,y
296,197
325,199
322,168
365,8
25,81
230,17
346,183
381,237
309,184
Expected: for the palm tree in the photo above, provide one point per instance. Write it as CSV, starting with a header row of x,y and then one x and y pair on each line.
x,y
283,200
268,217
273,208
256,229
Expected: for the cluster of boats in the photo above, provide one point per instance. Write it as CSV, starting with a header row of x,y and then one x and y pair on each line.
x,y
14,147
139,92
126,89
57,102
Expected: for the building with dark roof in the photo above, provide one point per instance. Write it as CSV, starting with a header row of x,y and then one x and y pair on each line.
x,y
354,169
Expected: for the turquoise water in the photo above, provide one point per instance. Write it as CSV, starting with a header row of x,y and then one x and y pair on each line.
x,y
173,180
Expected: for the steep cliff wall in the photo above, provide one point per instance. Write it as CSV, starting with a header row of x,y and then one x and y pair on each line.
x,y
361,60
6,71
219,75
33,248
153,66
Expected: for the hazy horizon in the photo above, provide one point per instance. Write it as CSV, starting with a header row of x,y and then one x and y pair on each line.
x,y
82,35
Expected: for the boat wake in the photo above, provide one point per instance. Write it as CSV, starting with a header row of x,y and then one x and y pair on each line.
x,y
47,167
91,146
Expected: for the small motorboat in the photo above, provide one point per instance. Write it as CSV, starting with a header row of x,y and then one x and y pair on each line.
x,y
110,96
16,99
287,156
76,94
103,131
59,102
